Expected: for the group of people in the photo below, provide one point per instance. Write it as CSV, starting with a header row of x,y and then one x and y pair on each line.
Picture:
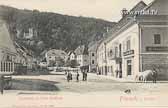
x,y
69,76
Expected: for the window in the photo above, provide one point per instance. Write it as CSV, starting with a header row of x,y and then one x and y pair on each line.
x,y
120,50
157,39
111,52
92,54
128,45
92,61
116,51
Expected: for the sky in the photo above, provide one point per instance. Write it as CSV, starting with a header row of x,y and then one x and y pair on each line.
x,y
104,9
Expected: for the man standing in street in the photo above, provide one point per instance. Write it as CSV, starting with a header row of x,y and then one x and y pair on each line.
x,y
85,76
68,76
77,77
155,74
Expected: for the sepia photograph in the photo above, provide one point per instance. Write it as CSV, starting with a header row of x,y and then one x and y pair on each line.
x,y
83,53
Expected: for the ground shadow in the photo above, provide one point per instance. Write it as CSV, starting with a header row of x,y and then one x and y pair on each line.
x,y
34,85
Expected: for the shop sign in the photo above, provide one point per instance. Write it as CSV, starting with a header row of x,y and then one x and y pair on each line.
x,y
159,49
130,52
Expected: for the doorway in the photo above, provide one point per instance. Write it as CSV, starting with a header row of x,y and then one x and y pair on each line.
x,y
129,67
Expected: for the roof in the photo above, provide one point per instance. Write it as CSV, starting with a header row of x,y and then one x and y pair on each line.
x,y
71,52
6,41
124,21
23,49
141,5
148,6
93,46
81,50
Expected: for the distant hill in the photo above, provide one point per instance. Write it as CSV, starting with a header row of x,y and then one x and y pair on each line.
x,y
53,30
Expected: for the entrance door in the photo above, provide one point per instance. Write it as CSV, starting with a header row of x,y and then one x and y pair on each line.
x,y
129,67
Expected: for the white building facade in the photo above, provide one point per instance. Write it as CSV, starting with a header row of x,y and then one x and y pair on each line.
x,y
140,44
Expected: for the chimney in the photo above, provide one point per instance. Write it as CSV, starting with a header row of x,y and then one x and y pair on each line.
x,y
124,12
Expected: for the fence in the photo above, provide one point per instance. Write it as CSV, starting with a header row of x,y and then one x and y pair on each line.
x,y
7,68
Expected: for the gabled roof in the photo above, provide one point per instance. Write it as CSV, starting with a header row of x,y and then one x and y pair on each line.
x,y
71,52
139,6
21,49
81,50
148,6
6,41
125,20
93,46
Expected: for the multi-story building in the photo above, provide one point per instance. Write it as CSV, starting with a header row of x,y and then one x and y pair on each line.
x,y
101,59
82,55
138,42
54,57
7,50
93,57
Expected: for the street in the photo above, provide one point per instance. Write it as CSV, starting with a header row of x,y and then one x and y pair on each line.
x,y
53,91
95,83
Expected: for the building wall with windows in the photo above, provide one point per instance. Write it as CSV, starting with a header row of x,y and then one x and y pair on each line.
x,y
92,61
123,53
101,59
154,50
138,44
82,56
93,57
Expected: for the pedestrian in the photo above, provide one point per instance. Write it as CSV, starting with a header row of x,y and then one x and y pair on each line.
x,y
85,76
117,73
155,74
68,76
2,84
77,77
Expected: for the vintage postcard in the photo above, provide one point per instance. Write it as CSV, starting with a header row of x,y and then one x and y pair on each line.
x,y
83,53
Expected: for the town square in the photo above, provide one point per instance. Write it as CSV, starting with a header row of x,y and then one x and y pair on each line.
x,y
51,60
